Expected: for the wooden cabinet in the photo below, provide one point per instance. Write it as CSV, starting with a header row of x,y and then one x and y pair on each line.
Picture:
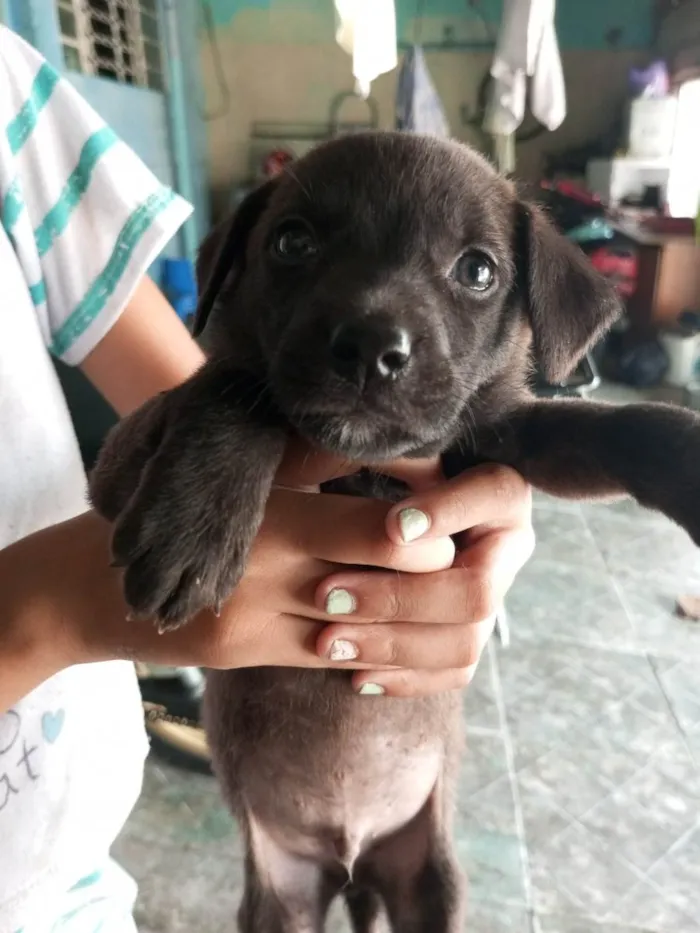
x,y
668,280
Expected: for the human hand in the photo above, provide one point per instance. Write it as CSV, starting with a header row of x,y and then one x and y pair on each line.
x,y
272,617
300,605
428,630
64,604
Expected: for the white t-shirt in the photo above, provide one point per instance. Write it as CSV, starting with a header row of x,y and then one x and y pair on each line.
x,y
81,220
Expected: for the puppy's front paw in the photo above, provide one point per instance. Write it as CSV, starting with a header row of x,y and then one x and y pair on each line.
x,y
184,551
684,505
671,468
125,454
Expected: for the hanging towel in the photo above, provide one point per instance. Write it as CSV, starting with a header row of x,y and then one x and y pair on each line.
x,y
418,107
526,48
366,30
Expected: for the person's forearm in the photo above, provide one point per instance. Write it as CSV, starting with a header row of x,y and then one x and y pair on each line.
x,y
148,350
62,604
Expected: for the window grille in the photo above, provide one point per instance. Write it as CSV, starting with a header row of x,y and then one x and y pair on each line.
x,y
117,39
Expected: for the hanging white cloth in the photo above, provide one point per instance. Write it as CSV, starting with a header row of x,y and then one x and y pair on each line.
x,y
366,30
527,48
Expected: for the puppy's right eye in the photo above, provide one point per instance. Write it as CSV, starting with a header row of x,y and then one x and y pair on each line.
x,y
294,243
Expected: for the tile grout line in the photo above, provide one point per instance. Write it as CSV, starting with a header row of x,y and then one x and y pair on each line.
x,y
646,654
514,789
598,645
670,705
630,697
683,838
483,732
578,823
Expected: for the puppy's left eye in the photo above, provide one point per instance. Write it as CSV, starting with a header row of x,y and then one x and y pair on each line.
x,y
294,243
474,270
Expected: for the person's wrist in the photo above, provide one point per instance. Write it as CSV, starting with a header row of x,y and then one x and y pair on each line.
x,y
34,631
106,630
63,596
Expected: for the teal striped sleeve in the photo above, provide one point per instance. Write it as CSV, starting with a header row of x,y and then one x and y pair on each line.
x,y
85,216
22,126
103,287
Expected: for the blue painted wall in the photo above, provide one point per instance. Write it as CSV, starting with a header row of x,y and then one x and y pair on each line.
x,y
581,24
142,125
139,117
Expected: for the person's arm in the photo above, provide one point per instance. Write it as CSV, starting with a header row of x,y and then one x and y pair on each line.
x,y
63,603
46,580
147,350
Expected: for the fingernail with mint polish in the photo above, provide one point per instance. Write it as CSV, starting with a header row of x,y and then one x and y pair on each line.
x,y
340,602
412,523
371,690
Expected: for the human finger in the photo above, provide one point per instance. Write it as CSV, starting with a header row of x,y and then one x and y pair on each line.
x,y
348,530
408,645
489,496
411,683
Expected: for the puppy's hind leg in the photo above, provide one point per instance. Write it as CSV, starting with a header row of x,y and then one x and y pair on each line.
x,y
364,907
431,901
283,893
419,877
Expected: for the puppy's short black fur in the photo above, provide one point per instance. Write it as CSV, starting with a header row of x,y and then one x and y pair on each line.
x,y
386,298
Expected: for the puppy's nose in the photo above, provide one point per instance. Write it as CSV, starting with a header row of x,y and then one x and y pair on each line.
x,y
368,348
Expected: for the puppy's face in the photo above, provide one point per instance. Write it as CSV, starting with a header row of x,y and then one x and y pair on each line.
x,y
385,286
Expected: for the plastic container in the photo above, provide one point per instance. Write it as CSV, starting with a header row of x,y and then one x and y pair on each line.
x,y
681,346
652,124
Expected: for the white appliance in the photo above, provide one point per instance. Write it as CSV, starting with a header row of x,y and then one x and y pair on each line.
x,y
651,126
626,176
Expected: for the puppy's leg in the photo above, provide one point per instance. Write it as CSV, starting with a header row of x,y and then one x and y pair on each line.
x,y
432,900
364,907
418,875
204,477
284,893
579,449
126,451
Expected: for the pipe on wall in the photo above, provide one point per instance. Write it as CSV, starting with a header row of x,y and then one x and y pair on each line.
x,y
177,115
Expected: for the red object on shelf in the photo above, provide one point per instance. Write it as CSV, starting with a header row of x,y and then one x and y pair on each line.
x,y
620,269
276,161
571,190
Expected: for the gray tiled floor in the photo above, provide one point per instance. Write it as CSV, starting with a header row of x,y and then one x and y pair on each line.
x,y
579,801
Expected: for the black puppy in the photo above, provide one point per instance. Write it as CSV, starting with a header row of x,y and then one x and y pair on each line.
x,y
385,299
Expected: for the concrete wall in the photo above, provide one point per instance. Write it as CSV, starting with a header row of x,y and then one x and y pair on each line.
x,y
281,63
679,37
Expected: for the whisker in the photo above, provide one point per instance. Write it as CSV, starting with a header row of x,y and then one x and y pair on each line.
x,y
288,170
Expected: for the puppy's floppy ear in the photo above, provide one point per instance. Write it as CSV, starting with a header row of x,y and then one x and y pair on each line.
x,y
222,253
569,303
